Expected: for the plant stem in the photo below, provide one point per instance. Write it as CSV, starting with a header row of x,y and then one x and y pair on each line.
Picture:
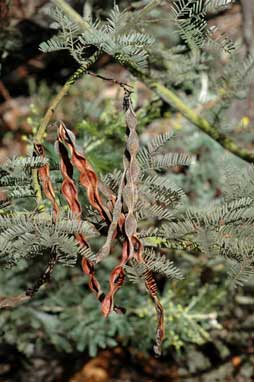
x,y
168,95
149,7
172,99
37,190
63,91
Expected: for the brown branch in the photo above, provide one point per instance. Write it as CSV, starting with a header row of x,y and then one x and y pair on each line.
x,y
11,302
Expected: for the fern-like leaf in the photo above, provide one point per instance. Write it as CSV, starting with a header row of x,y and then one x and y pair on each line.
x,y
160,264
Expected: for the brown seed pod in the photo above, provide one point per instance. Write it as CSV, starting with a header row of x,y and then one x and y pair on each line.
x,y
120,224
130,189
88,178
70,192
132,246
152,289
117,220
44,176
128,194
115,282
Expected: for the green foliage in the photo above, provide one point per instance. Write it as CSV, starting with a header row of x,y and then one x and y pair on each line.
x,y
190,17
235,86
154,263
129,39
29,234
66,316
174,233
26,237
110,37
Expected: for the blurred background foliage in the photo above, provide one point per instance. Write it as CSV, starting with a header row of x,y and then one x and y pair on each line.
x,y
209,325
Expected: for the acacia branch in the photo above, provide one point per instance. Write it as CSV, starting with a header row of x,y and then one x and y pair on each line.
x,y
150,6
169,96
63,91
202,123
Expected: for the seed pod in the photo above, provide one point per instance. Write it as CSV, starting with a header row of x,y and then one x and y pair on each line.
x,y
47,187
130,189
152,289
132,246
117,217
128,192
70,193
116,281
88,177
44,176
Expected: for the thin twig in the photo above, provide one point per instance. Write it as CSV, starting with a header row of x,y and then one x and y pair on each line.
x,y
150,6
11,302
225,141
125,86
64,90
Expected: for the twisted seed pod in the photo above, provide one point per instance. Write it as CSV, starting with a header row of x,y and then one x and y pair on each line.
x,y
70,193
44,175
130,196
152,289
117,275
88,177
117,218
133,247
132,171
128,193
116,280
